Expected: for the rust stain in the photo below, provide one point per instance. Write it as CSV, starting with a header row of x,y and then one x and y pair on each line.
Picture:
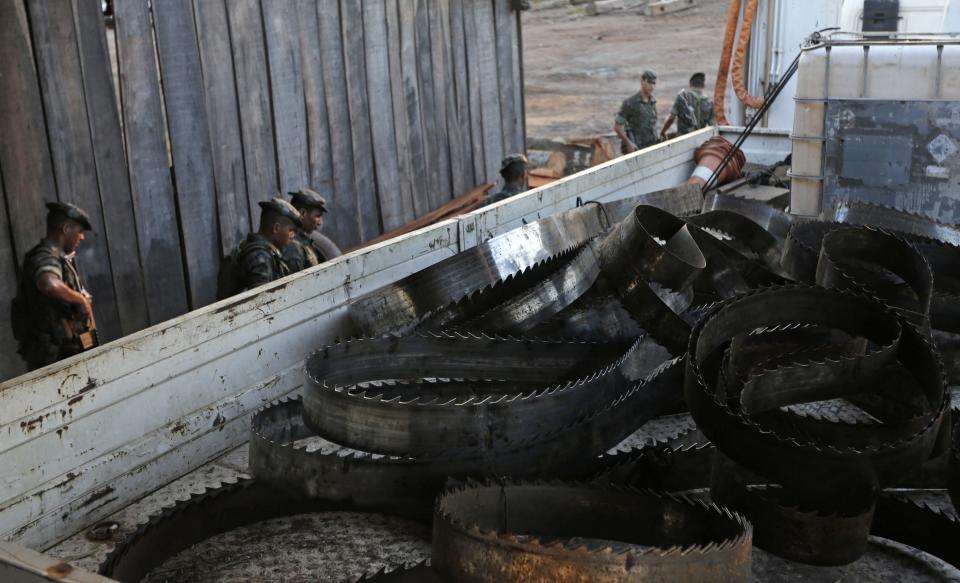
x,y
178,428
70,477
219,420
92,383
74,400
97,495
59,571
62,430
32,424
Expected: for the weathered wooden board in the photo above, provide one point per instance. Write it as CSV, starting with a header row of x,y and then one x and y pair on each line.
x,y
489,89
24,150
314,96
351,23
223,118
253,93
440,77
286,83
183,92
61,82
401,124
10,363
474,83
458,46
518,80
341,136
459,168
411,90
150,185
395,210
435,165
505,28
111,168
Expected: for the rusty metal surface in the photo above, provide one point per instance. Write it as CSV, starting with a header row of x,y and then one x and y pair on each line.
x,y
548,532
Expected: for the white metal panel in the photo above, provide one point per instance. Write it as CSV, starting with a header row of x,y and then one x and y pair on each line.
x,y
661,166
159,403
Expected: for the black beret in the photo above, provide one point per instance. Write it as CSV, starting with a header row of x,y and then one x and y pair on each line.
x,y
306,197
72,212
282,208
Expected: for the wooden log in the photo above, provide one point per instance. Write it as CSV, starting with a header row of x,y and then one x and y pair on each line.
x,y
314,96
394,207
150,185
61,81
401,124
455,206
286,91
458,45
111,167
24,150
411,90
341,139
190,146
223,119
489,88
351,22
253,96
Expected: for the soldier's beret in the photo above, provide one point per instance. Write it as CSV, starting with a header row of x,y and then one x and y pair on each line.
x,y
72,212
649,75
512,159
306,197
282,208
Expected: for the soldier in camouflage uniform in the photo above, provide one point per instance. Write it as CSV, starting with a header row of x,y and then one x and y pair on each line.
x,y
692,109
52,313
258,256
513,169
636,124
309,247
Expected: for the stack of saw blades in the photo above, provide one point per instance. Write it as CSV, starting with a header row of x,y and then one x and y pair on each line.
x,y
492,393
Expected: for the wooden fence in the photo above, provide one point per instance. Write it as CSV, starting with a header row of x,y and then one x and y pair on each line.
x,y
388,107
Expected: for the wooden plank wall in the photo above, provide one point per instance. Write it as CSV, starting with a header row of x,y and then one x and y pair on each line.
x,y
388,107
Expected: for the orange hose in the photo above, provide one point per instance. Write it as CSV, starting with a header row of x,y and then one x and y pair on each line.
x,y
739,84
720,90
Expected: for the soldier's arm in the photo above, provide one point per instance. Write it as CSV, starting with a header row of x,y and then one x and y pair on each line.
x,y
50,285
711,115
666,126
257,266
621,132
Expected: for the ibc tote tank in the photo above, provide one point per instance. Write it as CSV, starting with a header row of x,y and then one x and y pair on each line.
x,y
879,121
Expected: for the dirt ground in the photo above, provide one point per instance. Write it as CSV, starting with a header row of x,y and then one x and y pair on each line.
x,y
579,68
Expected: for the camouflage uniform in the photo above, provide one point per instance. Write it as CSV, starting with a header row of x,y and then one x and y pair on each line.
x,y
693,111
260,262
639,119
506,192
38,319
302,253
